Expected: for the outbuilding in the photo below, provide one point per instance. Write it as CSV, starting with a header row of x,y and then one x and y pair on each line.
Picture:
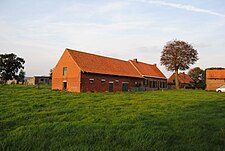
x,y
184,80
215,77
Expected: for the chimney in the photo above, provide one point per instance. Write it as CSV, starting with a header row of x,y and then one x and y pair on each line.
x,y
135,59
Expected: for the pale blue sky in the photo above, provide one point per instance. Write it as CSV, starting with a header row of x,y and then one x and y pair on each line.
x,y
40,30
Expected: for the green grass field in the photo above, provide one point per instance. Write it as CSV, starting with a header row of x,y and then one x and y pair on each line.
x,y
41,119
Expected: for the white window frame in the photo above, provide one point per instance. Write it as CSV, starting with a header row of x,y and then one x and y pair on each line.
x,y
91,81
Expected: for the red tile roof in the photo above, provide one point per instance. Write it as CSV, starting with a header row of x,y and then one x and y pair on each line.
x,y
215,73
104,65
182,78
171,78
147,70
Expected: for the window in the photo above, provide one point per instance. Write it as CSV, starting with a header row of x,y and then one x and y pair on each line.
x,y
91,81
150,84
117,81
103,81
137,84
41,80
154,84
165,84
161,84
146,82
64,71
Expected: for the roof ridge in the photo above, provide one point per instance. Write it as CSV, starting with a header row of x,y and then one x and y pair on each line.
x,y
95,54
153,69
142,62
130,61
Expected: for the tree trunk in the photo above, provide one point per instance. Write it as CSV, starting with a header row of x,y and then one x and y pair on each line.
x,y
5,82
176,79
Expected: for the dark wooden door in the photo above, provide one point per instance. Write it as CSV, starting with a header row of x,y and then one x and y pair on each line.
x,y
64,85
125,87
110,87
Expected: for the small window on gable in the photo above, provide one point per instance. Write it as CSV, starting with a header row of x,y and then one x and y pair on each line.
x,y
64,71
103,81
91,81
117,81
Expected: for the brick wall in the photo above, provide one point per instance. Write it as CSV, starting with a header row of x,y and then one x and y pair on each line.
x,y
213,84
99,86
215,78
73,74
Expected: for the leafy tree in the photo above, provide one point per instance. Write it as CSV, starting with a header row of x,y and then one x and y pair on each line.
x,y
198,75
178,55
21,76
50,73
10,64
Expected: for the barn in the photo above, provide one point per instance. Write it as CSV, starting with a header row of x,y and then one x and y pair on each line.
x,y
78,71
215,77
183,78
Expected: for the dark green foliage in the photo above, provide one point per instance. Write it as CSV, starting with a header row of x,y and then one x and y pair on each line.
x,y
199,77
10,65
41,119
50,73
21,76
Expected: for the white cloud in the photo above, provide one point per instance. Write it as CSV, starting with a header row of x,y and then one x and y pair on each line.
x,y
184,7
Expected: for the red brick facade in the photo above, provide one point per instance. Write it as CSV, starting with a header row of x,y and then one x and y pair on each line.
x,y
214,78
101,83
72,78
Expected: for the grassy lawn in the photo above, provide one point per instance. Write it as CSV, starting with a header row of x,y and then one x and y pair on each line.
x,y
41,119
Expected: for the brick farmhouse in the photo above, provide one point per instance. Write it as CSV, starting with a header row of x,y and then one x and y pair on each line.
x,y
84,72
215,78
184,80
